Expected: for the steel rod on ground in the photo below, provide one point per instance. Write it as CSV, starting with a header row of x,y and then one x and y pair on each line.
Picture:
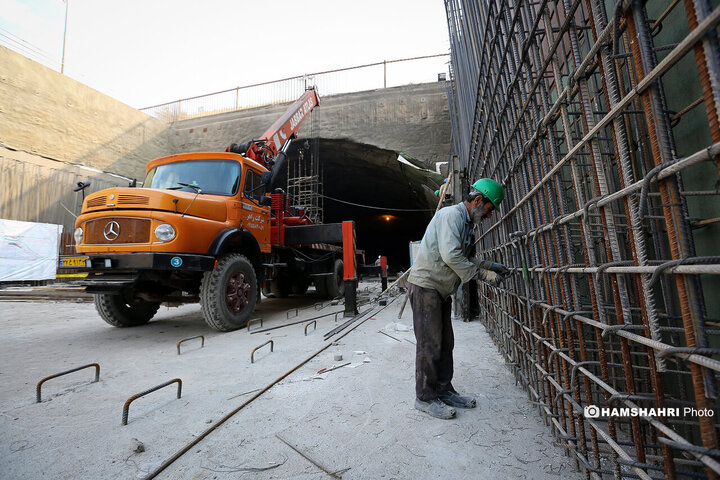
x,y
228,416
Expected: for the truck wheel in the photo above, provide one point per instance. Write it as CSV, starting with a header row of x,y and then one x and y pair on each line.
x,y
280,287
119,312
336,281
228,294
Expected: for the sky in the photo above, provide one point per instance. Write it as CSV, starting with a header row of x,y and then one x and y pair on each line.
x,y
148,52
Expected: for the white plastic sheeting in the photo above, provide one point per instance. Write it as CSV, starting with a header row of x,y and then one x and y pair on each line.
x,y
28,251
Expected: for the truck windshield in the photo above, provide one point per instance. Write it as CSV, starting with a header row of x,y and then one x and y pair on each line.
x,y
215,177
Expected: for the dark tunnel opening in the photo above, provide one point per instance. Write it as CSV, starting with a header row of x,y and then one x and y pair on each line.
x,y
357,176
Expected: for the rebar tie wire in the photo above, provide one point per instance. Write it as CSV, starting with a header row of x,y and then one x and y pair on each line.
x,y
553,308
545,269
586,210
616,328
567,316
556,221
573,374
605,266
556,351
652,173
683,261
564,269
536,302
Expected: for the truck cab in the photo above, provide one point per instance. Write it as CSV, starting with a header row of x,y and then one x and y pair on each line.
x,y
199,225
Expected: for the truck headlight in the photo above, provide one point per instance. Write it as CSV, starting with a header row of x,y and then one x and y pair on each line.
x,y
78,235
165,232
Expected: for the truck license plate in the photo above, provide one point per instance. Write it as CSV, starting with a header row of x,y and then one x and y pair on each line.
x,y
75,262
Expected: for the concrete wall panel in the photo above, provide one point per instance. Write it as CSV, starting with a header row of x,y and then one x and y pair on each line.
x,y
413,119
37,189
46,113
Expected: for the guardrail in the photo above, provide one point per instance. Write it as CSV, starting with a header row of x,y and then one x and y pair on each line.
x,y
388,73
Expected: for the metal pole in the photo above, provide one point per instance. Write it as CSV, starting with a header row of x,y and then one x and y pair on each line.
x,y
62,63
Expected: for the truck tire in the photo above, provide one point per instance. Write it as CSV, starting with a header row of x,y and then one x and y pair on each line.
x,y
336,282
119,312
228,294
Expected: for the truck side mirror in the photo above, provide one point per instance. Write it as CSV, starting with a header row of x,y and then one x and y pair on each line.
x,y
81,187
265,201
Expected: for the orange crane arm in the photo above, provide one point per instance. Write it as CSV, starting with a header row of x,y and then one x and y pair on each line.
x,y
271,142
287,126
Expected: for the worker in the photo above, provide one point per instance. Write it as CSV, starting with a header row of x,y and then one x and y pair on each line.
x,y
440,266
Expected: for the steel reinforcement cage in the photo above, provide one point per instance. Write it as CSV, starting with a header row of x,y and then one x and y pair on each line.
x,y
600,118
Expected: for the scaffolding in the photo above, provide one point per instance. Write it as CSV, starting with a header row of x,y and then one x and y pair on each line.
x,y
304,184
601,121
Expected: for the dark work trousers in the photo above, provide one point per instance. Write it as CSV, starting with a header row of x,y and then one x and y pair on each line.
x,y
435,342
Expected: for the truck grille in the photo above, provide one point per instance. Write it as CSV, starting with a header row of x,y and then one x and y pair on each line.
x,y
122,231
97,201
133,200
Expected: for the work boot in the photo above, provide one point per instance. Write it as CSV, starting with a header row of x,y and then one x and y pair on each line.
x,y
435,408
454,399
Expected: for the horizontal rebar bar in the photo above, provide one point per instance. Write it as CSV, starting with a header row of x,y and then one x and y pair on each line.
x,y
589,114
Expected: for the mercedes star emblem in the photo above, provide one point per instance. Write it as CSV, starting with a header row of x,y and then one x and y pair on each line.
x,y
112,231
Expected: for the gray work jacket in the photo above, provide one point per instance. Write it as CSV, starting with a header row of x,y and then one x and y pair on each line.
x,y
442,261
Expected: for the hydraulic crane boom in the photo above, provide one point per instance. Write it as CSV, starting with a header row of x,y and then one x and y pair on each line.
x,y
277,138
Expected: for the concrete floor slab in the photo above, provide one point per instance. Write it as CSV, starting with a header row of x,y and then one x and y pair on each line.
x,y
359,417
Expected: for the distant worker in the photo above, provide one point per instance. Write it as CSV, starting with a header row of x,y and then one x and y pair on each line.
x,y
441,265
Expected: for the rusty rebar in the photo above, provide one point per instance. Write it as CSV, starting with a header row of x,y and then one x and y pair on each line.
x,y
590,116
126,407
39,385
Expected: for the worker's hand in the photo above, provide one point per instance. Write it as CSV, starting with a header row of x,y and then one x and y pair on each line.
x,y
489,277
501,270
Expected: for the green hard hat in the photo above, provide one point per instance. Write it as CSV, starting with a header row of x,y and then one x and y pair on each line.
x,y
492,190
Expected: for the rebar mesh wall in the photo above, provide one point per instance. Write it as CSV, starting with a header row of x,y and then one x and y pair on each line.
x,y
600,118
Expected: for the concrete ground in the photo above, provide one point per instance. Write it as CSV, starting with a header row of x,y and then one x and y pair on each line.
x,y
357,421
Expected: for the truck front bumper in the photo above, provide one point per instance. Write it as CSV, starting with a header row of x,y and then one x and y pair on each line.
x,y
151,261
113,272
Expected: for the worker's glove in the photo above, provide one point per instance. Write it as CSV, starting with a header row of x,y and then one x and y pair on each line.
x,y
489,277
501,270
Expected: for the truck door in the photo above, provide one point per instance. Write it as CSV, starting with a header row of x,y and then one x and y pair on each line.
x,y
255,219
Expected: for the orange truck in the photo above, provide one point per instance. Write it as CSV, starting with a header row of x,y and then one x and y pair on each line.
x,y
208,227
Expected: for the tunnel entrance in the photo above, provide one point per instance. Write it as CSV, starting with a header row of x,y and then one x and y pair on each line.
x,y
391,201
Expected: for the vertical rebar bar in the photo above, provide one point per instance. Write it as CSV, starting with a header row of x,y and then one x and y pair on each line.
x,y
566,102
